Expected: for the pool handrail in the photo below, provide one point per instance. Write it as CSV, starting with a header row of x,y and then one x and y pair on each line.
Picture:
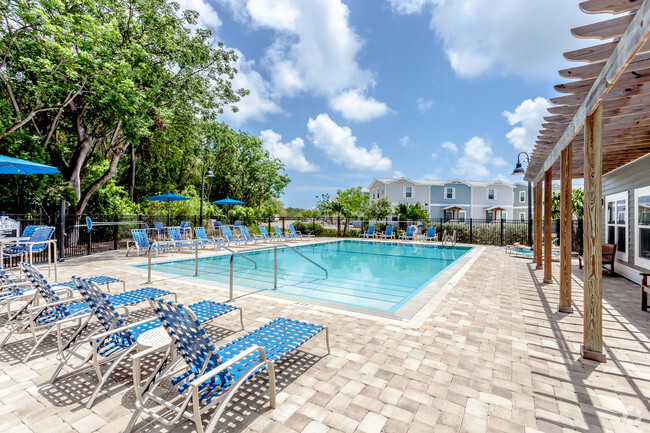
x,y
232,258
275,264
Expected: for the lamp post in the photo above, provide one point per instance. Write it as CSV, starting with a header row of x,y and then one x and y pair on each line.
x,y
519,170
206,174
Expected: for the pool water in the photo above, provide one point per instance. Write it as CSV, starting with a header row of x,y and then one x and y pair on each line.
x,y
377,275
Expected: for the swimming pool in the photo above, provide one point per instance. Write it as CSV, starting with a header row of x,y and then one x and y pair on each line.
x,y
380,276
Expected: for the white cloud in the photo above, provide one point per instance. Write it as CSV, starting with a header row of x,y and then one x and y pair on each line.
x,y
405,141
313,49
434,155
450,146
356,107
530,113
291,153
340,146
407,7
259,102
477,156
424,104
430,176
520,38
398,173
208,16
276,14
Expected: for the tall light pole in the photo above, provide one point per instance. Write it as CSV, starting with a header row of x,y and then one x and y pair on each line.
x,y
206,174
519,170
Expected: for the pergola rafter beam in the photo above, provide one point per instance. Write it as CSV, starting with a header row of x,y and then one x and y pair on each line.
x,y
633,39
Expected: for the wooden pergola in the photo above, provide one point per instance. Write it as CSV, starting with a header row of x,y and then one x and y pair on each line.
x,y
494,211
452,211
602,123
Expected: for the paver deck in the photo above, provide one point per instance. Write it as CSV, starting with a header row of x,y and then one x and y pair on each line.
x,y
494,356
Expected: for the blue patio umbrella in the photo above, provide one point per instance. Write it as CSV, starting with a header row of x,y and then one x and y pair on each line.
x,y
168,196
228,201
10,165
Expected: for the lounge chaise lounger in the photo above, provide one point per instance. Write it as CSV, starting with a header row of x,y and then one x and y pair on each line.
x,y
114,340
141,242
369,234
50,317
205,240
431,234
296,234
388,234
266,236
205,376
410,233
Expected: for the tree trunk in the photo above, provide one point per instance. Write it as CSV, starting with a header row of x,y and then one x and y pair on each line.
x,y
132,189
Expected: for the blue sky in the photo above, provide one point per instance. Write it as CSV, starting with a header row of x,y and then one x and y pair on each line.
x,y
346,91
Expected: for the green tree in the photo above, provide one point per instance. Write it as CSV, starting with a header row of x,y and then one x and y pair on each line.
x,y
243,169
353,204
577,203
413,212
379,209
555,205
90,80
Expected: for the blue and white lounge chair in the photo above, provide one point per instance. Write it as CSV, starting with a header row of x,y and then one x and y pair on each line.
x,y
56,312
296,234
29,230
245,236
205,240
279,235
410,233
10,291
217,227
177,238
37,242
388,234
114,340
431,234
266,236
369,234
227,234
141,241
205,376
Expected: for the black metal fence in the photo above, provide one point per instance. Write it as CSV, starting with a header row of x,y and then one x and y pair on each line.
x,y
110,232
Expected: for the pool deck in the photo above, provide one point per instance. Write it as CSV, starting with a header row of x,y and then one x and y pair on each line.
x,y
492,354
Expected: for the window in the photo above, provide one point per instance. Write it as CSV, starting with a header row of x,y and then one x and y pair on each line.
x,y
408,191
462,215
522,196
450,193
617,223
522,217
642,227
491,194
504,216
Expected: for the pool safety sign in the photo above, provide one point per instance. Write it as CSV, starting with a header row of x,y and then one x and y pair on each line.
x,y
8,227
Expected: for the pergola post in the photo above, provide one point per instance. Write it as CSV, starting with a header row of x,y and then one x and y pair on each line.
x,y
593,274
566,214
548,246
538,225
